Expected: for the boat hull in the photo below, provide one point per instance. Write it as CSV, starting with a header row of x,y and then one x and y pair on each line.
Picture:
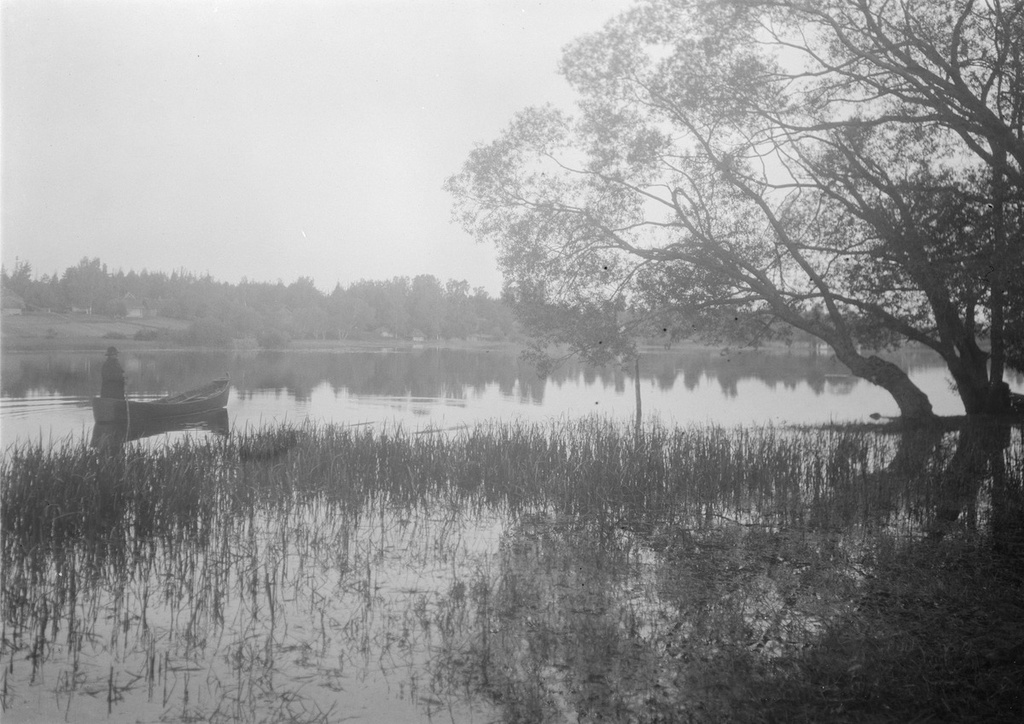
x,y
112,434
213,396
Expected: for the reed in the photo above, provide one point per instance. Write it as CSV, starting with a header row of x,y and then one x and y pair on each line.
x,y
232,554
592,466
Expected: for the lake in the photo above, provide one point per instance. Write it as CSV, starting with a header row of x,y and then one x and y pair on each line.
x,y
560,570
47,395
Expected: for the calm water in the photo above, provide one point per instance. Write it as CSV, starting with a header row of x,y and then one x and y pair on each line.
x,y
46,395
347,585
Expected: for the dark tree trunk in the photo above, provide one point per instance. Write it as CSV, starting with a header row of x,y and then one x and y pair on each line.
x,y
979,392
997,278
971,384
915,408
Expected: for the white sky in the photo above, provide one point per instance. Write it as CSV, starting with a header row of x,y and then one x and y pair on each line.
x,y
269,140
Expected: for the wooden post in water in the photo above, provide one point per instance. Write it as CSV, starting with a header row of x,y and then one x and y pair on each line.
x,y
639,405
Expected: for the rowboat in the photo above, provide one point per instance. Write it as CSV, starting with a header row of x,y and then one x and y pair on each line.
x,y
207,398
112,434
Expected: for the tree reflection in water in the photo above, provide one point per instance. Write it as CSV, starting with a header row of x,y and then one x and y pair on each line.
x,y
418,372
702,617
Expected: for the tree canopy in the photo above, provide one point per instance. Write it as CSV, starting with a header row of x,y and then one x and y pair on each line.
x,y
849,168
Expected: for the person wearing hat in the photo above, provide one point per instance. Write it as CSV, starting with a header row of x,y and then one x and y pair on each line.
x,y
112,376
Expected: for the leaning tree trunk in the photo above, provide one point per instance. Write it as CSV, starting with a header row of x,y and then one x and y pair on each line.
x,y
915,408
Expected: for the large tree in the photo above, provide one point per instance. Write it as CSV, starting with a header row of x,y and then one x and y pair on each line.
x,y
848,167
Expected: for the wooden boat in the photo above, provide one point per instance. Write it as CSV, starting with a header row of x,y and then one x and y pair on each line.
x,y
207,398
110,434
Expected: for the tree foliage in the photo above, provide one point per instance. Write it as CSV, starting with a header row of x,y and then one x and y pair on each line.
x,y
849,168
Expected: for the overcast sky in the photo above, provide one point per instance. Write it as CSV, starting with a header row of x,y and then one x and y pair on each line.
x,y
267,140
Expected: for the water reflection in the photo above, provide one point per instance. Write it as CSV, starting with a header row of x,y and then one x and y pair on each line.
x,y
503,575
112,434
430,373
47,393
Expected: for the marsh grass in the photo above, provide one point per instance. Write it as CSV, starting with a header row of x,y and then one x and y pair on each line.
x,y
591,466
543,572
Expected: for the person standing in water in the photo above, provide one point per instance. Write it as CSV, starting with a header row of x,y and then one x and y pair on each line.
x,y
112,376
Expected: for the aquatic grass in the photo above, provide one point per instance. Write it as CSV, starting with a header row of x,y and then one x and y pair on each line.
x,y
823,478
747,549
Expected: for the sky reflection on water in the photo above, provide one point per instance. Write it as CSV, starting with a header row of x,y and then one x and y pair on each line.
x,y
309,616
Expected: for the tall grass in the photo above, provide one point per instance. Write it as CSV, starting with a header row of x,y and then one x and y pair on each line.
x,y
224,549
772,475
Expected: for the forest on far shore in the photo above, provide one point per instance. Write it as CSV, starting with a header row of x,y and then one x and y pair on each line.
x,y
272,314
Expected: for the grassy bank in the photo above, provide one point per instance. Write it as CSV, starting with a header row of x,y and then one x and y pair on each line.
x,y
701,574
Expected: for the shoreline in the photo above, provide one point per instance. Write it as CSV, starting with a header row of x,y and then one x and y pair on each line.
x,y
45,334
57,332
53,332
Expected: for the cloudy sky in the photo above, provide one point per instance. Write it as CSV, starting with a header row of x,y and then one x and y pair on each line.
x,y
267,140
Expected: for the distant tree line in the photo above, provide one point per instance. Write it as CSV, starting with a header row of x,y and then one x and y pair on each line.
x,y
272,314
